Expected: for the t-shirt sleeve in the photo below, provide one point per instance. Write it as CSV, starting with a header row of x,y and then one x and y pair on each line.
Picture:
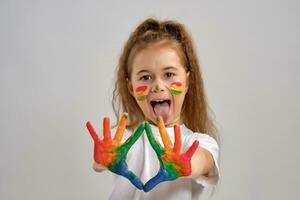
x,y
209,143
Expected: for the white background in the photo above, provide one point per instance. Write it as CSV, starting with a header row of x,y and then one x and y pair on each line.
x,y
57,61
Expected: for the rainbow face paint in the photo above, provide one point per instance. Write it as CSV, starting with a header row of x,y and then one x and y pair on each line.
x,y
173,164
111,154
176,88
141,92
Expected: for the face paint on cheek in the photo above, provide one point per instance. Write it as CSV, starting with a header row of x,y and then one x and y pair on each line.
x,y
141,92
176,88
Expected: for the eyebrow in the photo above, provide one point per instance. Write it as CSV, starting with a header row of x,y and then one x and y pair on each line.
x,y
170,67
141,71
164,69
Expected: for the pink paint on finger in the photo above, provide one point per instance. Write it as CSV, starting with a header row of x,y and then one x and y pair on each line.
x,y
189,153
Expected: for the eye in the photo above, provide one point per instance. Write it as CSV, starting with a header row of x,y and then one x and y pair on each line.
x,y
145,78
169,74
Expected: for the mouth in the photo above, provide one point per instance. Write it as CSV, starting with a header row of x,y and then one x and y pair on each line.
x,y
160,101
161,107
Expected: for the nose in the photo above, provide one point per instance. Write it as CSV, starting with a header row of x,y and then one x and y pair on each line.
x,y
158,86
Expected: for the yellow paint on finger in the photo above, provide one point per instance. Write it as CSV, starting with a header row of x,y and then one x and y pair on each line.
x,y
120,130
164,135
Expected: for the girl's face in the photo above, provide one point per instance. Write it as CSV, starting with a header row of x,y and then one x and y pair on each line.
x,y
159,83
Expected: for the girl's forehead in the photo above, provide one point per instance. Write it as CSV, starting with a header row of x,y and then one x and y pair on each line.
x,y
156,58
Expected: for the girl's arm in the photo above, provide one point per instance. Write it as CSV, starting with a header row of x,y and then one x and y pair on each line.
x,y
98,167
202,162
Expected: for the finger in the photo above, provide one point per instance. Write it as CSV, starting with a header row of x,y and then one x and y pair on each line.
x,y
157,148
163,133
122,169
106,130
121,128
177,143
92,132
132,139
189,153
160,177
134,180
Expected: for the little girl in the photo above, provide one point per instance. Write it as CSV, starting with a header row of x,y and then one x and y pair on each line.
x,y
159,85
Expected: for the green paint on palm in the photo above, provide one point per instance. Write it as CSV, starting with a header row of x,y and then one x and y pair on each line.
x,y
172,172
131,140
122,150
159,151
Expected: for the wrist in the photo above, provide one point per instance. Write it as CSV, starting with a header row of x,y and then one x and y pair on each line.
x,y
98,167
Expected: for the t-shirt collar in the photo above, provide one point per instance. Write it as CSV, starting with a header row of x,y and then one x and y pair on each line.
x,y
170,130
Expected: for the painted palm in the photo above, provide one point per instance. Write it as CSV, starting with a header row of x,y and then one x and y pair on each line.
x,y
173,163
111,153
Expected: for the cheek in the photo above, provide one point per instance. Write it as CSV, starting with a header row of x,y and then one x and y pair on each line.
x,y
177,104
141,92
176,88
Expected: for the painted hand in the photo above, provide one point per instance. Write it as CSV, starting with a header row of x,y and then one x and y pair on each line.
x,y
110,153
173,164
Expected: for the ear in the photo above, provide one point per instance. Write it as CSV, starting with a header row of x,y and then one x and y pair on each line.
x,y
129,86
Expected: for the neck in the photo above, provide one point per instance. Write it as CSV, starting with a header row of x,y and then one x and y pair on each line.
x,y
170,124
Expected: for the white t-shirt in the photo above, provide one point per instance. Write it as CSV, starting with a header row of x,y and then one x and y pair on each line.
x,y
143,161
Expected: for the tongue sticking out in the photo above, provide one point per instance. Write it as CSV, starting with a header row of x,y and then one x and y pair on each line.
x,y
162,110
